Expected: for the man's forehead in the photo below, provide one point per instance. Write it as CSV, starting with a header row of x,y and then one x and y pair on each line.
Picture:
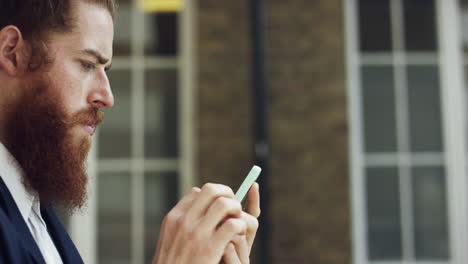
x,y
93,29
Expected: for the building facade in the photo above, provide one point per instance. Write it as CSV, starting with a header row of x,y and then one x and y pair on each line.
x,y
366,123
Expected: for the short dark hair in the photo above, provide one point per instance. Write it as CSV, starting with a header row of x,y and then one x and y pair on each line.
x,y
36,19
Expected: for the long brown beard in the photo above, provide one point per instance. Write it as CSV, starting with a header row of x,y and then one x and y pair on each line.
x,y
39,138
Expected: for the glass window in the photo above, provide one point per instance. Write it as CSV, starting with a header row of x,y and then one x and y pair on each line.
x,y
62,215
123,25
402,169
160,197
114,133
420,27
162,34
161,113
464,24
424,108
139,133
379,108
383,210
374,25
114,227
430,213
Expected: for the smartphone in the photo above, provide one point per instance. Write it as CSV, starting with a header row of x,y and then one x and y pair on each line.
x,y
249,180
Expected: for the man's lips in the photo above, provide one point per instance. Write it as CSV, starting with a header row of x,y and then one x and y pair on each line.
x,y
89,128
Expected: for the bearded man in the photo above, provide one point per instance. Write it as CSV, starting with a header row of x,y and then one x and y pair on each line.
x,y
53,60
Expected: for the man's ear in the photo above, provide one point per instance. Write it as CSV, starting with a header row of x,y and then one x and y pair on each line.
x,y
11,45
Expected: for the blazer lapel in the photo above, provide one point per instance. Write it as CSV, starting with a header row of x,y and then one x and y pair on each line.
x,y
62,241
13,213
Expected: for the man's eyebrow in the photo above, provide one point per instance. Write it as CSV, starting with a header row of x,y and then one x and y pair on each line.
x,y
100,58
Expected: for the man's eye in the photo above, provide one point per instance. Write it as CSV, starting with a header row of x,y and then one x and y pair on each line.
x,y
88,66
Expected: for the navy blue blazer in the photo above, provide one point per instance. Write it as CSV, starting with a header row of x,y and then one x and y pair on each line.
x,y
16,242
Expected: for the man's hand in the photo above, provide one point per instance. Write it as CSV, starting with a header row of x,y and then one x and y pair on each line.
x,y
238,250
206,225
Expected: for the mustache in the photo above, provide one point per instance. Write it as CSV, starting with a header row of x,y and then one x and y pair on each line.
x,y
92,116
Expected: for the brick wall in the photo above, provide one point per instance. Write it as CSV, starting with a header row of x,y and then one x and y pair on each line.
x,y
224,93
309,185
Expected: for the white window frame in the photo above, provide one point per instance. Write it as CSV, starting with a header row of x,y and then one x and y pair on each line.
x,y
83,226
453,107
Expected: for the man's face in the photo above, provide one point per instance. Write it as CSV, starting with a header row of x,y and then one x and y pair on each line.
x,y
50,130
77,74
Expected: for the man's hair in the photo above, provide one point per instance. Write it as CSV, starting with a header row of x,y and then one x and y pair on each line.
x,y
36,19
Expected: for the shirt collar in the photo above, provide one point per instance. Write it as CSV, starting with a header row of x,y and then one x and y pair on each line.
x,y
12,175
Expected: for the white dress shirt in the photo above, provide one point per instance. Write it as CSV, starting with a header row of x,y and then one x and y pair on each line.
x,y
28,205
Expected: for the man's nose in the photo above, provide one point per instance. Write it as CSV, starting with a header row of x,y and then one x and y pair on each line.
x,y
101,95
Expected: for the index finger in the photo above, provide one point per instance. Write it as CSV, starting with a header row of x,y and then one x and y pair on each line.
x,y
253,200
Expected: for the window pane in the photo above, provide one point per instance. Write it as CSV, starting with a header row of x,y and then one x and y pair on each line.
x,y
62,215
464,23
420,29
161,113
160,197
114,218
379,108
374,25
466,76
161,34
430,213
383,211
424,107
122,35
114,133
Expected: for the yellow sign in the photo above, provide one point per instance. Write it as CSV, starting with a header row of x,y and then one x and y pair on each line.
x,y
159,6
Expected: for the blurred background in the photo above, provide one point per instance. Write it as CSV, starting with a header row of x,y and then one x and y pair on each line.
x,y
356,110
